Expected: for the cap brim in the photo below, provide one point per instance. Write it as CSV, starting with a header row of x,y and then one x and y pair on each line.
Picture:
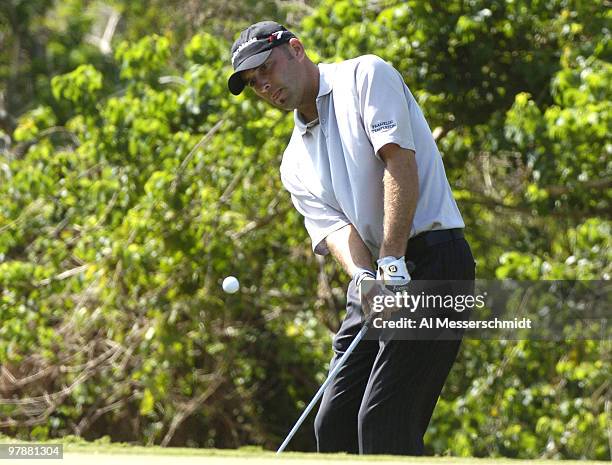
x,y
235,83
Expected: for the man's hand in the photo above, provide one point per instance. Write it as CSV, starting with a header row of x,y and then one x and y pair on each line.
x,y
372,294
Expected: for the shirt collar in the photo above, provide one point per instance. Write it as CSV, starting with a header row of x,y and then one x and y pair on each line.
x,y
326,76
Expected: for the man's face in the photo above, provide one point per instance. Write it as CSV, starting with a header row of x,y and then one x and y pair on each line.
x,y
277,80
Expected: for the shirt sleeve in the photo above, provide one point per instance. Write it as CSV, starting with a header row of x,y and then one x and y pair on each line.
x,y
383,104
320,218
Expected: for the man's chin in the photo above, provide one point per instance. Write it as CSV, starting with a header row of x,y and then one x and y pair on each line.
x,y
283,106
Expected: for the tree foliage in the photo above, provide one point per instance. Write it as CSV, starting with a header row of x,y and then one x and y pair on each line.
x,y
132,183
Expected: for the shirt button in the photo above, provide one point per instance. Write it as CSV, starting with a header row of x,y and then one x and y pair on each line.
x,y
323,121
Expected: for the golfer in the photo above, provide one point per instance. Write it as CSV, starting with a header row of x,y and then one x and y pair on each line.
x,y
363,169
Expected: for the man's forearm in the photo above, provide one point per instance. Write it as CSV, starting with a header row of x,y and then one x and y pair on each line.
x,y
401,192
349,250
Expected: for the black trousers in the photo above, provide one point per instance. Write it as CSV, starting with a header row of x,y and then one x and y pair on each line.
x,y
382,400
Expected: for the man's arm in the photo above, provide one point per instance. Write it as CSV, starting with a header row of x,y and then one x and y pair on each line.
x,y
401,192
349,250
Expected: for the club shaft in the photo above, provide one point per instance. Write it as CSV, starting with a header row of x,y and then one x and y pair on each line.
x,y
330,378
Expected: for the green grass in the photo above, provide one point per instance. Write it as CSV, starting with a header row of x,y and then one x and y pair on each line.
x,y
103,447
254,452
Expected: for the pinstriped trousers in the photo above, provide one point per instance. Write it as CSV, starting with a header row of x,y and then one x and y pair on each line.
x,y
382,400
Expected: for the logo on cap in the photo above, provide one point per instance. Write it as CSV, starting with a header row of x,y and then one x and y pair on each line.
x,y
275,36
242,46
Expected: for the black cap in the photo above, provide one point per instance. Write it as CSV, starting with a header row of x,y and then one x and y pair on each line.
x,y
253,47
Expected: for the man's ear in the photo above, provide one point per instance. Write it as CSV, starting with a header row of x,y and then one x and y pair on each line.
x,y
297,49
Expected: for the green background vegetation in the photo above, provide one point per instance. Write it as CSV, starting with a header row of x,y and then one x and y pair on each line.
x,y
132,182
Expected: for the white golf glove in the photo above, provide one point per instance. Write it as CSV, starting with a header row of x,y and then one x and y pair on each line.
x,y
362,274
365,280
392,271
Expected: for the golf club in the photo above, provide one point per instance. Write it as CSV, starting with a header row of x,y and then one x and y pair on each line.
x,y
330,378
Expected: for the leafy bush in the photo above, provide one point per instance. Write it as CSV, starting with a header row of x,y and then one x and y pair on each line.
x,y
135,183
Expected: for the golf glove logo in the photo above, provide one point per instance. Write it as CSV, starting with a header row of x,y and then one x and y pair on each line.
x,y
393,271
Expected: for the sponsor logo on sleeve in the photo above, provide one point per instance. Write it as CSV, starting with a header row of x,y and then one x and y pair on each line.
x,y
383,126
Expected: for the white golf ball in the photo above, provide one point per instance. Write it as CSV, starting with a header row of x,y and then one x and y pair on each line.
x,y
231,285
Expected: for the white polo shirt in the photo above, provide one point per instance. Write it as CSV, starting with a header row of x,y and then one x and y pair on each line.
x,y
332,169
